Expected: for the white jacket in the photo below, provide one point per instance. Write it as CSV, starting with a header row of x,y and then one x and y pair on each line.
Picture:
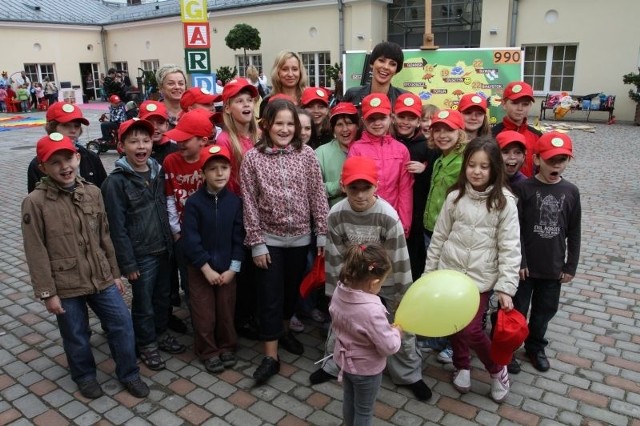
x,y
483,245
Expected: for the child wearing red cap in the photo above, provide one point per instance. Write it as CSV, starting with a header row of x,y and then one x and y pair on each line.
x,y
156,113
241,128
513,147
391,157
117,114
182,174
284,202
517,101
474,112
137,211
550,223
73,265
213,236
406,128
67,119
364,218
477,233
316,101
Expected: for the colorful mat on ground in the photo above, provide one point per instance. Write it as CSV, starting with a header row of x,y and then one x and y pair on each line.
x,y
14,122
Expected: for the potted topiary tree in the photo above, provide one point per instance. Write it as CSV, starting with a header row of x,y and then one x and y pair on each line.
x,y
634,78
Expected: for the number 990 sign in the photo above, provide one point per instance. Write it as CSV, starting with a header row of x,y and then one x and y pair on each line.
x,y
507,57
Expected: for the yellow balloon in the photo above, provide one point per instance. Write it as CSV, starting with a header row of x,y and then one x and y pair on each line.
x,y
438,304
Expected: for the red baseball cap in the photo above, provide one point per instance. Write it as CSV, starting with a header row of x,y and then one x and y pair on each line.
x,y
359,168
471,100
343,108
213,151
375,103
197,95
114,99
133,123
554,143
507,137
509,333
237,85
408,102
518,89
50,144
281,96
311,94
153,109
451,117
196,122
63,112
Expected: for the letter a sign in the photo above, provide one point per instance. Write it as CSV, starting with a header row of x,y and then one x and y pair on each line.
x,y
196,36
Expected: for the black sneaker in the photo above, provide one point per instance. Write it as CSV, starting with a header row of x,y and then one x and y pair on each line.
x,y
290,344
90,389
137,388
176,324
320,376
228,359
214,365
267,368
539,360
420,390
170,344
514,366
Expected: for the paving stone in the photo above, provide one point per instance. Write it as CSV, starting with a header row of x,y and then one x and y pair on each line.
x,y
239,417
164,418
30,406
267,412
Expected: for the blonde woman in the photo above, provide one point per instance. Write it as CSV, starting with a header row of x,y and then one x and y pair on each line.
x,y
172,83
288,77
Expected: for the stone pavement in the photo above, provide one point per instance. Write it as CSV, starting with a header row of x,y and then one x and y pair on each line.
x,y
594,350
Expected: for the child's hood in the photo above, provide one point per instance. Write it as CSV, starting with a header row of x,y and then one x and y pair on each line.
x,y
123,166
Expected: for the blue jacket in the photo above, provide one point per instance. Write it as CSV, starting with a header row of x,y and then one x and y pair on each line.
x,y
212,229
137,214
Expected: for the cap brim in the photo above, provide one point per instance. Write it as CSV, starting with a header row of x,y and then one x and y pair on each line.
x,y
49,154
553,152
516,97
153,114
178,135
80,119
385,111
353,178
468,107
406,109
506,144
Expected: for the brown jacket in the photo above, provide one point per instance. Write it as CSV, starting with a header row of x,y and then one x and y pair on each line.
x,y
66,240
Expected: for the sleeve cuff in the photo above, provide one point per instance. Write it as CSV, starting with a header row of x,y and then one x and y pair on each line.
x,y
321,240
259,250
235,266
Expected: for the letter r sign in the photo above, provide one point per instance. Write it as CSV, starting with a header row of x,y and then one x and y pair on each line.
x,y
198,61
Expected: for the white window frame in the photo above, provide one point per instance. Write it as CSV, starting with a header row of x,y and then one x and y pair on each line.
x,y
254,59
150,64
40,72
121,66
548,67
314,74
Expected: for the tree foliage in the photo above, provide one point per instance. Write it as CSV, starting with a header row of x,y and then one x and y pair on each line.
x,y
225,74
245,37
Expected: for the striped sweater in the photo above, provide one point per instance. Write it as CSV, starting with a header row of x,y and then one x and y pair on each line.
x,y
378,224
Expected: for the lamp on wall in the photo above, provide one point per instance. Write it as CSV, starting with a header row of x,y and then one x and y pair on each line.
x,y
493,31
360,36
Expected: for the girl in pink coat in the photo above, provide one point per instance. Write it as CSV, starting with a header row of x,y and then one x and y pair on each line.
x,y
395,184
364,337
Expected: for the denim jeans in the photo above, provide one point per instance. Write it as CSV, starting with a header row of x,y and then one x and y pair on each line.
x,y
544,296
109,306
278,288
359,398
150,305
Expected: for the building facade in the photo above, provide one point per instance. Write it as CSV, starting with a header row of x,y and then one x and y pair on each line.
x,y
577,46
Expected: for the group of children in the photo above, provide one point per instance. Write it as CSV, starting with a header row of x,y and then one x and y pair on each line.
x,y
241,210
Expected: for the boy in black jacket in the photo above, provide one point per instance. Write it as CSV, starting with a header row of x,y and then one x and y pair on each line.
x,y
213,235
550,215
137,211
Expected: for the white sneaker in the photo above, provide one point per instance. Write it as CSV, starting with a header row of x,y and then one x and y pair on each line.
x,y
446,356
296,325
500,385
462,380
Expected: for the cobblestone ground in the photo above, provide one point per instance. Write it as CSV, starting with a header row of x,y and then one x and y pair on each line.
x,y
594,350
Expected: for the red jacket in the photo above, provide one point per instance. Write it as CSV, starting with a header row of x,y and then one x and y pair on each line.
x,y
395,183
531,137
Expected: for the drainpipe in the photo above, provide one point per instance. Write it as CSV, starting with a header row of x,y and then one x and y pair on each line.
x,y
103,40
341,26
514,23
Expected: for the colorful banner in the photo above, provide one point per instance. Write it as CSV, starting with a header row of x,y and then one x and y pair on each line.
x,y
441,77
